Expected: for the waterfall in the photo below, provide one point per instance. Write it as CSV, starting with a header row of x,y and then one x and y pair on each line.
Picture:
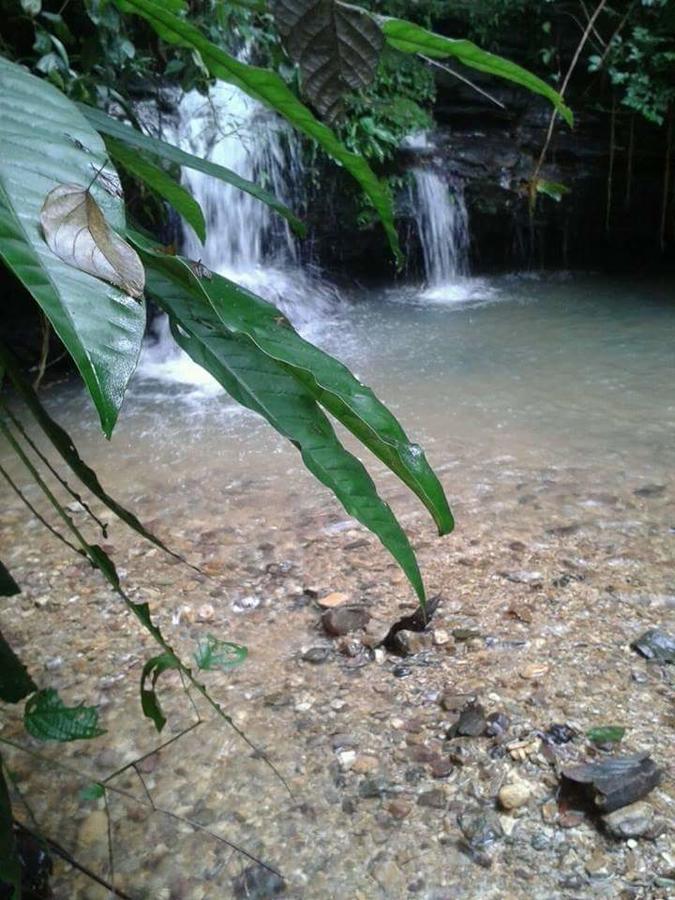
x,y
441,217
246,241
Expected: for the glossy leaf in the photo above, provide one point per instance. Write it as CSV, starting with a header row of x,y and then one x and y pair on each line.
x,y
160,183
606,734
268,88
337,48
553,189
10,865
8,587
100,326
47,718
213,653
410,38
333,386
149,699
15,682
134,138
260,383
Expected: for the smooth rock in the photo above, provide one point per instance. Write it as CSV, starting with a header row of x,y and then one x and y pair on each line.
x,y
630,821
598,866
316,655
409,643
330,601
434,799
656,645
206,613
399,809
257,883
344,619
480,827
366,765
513,796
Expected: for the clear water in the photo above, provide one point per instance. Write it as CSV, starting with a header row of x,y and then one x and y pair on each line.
x,y
562,372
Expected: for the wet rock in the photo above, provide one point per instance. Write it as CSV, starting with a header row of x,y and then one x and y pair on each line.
x,y
534,671
389,877
441,637
206,613
599,865
631,821
433,799
343,740
399,809
465,634
614,782
471,722
401,671
372,788
344,619
258,883
330,601
453,702
531,579
559,734
441,768
417,621
316,655
515,795
346,759
278,699
409,643
497,724
481,828
650,490
246,604
656,645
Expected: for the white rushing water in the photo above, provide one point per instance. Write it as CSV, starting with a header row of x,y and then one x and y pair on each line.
x,y
246,240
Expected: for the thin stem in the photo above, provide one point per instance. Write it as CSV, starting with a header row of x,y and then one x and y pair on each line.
x,y
44,352
446,68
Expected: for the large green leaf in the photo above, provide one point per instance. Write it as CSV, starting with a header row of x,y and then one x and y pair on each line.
x,y
47,718
268,88
134,138
45,141
410,38
10,866
337,48
149,699
161,183
331,384
63,443
15,682
262,384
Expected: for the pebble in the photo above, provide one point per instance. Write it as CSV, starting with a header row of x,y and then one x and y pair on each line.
x,y
515,795
534,671
440,637
206,613
258,883
434,799
344,619
316,655
598,866
330,601
409,643
366,765
631,821
399,809
93,830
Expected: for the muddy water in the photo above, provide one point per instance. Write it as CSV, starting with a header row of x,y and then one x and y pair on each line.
x,y
547,408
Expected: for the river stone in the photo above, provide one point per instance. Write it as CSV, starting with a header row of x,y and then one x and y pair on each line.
x,y
94,830
434,799
630,821
330,601
656,645
480,827
258,883
408,643
316,655
344,619
513,796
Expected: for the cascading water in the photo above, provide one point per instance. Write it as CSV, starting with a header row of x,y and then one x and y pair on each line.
x,y
246,240
442,222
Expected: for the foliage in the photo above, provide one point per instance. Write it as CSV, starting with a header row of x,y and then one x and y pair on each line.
x,y
212,653
47,718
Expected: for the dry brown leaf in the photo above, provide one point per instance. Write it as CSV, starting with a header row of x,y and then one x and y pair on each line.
x,y
75,230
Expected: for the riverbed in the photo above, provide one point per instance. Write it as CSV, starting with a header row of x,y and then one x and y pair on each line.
x,y
546,406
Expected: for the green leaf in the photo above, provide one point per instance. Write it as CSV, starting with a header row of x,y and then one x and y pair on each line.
x,y
262,384
160,183
606,734
268,88
134,138
337,48
215,654
31,7
8,587
149,699
92,792
15,682
63,443
553,189
10,866
47,718
44,142
410,38
332,385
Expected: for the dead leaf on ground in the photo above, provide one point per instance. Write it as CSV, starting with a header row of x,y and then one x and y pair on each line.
x,y
75,230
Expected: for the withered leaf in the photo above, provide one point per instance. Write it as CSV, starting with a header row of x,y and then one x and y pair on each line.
x,y
75,230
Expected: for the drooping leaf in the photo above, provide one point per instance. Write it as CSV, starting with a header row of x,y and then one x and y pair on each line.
x,y
149,699
332,385
606,734
553,189
75,230
15,682
47,718
44,142
10,866
410,38
160,183
260,383
213,653
8,587
337,48
268,88
134,138
63,443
